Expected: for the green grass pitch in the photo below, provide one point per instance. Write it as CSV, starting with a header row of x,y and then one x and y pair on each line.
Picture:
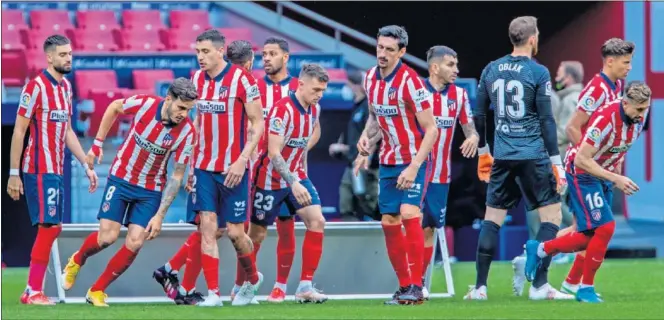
x,y
632,289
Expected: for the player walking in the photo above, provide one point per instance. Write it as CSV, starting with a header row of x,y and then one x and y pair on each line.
x,y
614,129
520,89
281,177
45,108
400,109
135,194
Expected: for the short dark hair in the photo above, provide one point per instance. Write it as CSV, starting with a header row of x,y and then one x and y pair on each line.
x,y
183,89
281,42
395,32
214,36
522,28
616,47
55,40
436,52
239,51
315,71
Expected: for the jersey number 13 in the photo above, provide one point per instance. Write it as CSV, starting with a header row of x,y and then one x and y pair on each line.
x,y
513,93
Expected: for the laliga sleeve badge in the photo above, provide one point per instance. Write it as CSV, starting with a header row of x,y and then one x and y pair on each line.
x,y
594,134
276,124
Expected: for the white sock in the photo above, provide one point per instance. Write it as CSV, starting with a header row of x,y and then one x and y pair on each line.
x,y
540,251
305,283
169,269
280,285
586,286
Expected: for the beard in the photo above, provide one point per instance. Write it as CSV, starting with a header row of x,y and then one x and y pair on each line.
x,y
62,70
274,70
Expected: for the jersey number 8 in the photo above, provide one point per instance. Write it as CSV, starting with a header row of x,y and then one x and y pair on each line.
x,y
516,109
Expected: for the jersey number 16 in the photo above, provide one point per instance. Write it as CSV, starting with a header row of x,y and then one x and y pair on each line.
x,y
516,108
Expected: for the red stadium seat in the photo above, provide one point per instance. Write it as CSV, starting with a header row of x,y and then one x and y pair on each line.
x,y
233,34
16,75
86,80
94,40
196,20
337,75
34,38
55,21
181,39
147,79
142,20
11,40
12,20
101,98
36,62
102,20
141,41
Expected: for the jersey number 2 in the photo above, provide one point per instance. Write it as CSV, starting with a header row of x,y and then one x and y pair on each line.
x,y
516,108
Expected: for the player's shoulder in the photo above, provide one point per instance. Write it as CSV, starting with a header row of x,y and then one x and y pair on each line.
x,y
197,75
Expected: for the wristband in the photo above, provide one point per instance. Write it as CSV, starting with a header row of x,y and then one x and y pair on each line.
x,y
13,172
85,165
483,150
556,161
96,146
98,142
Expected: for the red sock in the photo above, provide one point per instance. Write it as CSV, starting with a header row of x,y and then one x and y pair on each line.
x,y
576,272
570,242
396,251
415,239
247,263
193,265
312,249
240,274
180,257
596,251
211,272
89,248
116,266
428,252
285,249
39,256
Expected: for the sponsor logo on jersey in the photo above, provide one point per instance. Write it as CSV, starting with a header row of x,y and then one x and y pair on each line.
x,y
299,143
252,93
421,95
619,149
206,106
444,122
595,135
25,100
58,115
385,110
276,125
548,90
148,146
588,102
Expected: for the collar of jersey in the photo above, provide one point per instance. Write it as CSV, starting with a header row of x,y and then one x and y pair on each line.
x,y
281,83
607,80
431,89
158,115
298,105
221,74
391,75
50,78
623,116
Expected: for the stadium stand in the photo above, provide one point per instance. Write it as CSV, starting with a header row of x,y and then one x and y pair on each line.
x,y
101,20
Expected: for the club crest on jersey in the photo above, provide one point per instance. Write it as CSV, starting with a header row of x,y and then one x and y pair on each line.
x,y
299,143
58,116
452,105
392,93
223,92
444,122
168,140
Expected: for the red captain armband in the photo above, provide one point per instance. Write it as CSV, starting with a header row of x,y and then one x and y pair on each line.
x,y
96,146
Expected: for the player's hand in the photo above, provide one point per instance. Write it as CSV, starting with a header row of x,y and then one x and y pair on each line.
x,y
95,152
561,180
626,185
364,146
191,181
469,146
301,194
15,187
235,172
154,226
337,148
484,164
360,163
92,176
407,177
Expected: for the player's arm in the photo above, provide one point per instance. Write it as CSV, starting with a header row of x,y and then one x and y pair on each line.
x,y
182,157
481,111
129,105
469,146
584,160
587,104
420,98
254,111
276,139
370,134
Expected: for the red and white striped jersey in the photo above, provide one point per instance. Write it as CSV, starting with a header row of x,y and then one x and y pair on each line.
x,y
449,106
612,133
48,105
395,100
270,93
222,119
142,158
288,119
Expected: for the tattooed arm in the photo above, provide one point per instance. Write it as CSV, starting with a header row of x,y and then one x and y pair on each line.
x,y
370,135
274,146
172,188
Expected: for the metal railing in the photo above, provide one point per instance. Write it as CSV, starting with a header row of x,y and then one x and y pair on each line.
x,y
340,30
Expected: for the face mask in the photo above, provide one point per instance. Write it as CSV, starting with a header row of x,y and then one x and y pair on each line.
x,y
559,85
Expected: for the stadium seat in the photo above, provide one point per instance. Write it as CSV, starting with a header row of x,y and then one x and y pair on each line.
x,y
86,80
34,38
141,41
101,98
142,20
102,20
337,75
36,62
11,40
18,73
233,34
196,20
147,79
94,40
51,20
12,20
181,39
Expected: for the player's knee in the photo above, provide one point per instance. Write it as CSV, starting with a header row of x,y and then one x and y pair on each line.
x,y
390,219
316,223
219,233
428,236
235,231
106,238
257,233
134,241
495,215
487,240
551,213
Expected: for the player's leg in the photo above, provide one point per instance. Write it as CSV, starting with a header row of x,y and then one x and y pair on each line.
x,y
44,194
285,250
433,218
312,245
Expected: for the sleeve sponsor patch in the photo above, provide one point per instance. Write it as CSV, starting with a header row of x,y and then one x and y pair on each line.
x,y
188,149
25,100
252,93
421,95
277,125
548,90
588,102
595,135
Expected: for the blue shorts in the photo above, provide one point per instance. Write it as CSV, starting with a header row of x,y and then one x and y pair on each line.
x,y
128,204
194,218
211,195
435,205
268,204
45,193
390,198
590,200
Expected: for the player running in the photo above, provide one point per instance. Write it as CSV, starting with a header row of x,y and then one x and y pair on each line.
x,y
615,127
45,108
275,85
281,177
239,53
400,110
525,148
450,104
603,88
137,193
